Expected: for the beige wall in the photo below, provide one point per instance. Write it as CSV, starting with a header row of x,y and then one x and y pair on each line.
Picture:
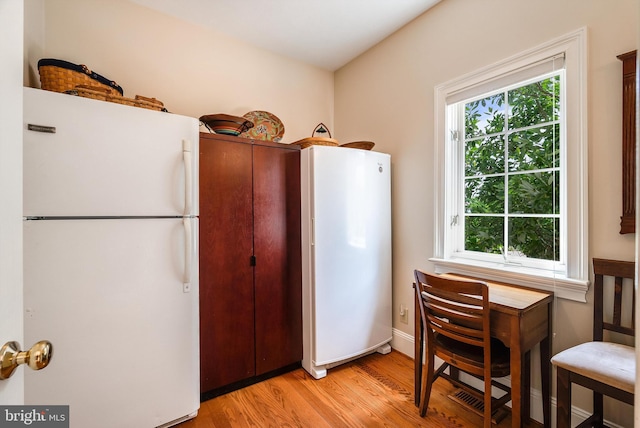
x,y
193,70
387,95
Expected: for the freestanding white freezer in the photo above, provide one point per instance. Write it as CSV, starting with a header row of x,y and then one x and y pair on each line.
x,y
346,253
111,261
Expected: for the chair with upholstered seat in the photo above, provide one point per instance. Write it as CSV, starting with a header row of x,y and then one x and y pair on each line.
x,y
605,367
455,318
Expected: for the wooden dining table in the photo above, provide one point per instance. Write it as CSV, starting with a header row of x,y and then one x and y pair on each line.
x,y
521,319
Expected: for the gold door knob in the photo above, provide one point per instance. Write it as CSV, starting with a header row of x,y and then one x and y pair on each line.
x,y
36,358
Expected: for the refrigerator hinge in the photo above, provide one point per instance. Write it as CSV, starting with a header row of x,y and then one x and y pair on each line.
x,y
252,260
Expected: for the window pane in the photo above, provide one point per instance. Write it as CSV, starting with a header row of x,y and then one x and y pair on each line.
x,y
484,156
537,148
536,103
484,195
535,238
485,116
535,193
514,144
484,234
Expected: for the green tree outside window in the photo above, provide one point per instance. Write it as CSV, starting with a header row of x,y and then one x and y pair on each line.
x,y
512,171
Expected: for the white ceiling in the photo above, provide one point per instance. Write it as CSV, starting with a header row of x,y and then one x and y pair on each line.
x,y
325,33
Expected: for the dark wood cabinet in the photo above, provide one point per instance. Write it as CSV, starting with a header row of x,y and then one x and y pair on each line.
x,y
628,218
250,259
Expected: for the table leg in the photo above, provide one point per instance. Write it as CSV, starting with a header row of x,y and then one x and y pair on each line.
x,y
516,357
521,379
545,373
526,388
418,351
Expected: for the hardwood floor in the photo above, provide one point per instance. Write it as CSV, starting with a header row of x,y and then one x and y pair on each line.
x,y
373,391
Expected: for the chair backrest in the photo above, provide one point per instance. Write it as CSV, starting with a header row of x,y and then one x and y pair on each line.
x,y
455,308
623,274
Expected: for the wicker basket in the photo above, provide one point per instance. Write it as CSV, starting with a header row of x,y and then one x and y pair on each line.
x,y
316,141
106,94
92,92
362,145
150,103
61,76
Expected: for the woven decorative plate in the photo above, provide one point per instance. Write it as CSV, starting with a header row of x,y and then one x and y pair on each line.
x,y
316,141
364,145
266,126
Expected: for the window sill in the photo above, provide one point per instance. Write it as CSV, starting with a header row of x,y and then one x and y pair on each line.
x,y
561,286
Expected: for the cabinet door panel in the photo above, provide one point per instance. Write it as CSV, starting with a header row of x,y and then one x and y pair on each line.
x,y
278,276
227,332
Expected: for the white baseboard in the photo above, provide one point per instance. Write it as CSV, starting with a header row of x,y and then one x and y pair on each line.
x,y
403,342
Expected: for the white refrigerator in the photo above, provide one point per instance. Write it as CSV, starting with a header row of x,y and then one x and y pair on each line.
x,y
111,261
346,253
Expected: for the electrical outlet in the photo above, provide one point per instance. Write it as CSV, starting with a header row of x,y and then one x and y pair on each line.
x,y
404,314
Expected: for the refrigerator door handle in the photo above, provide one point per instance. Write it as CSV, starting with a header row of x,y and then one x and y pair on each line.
x,y
188,254
188,176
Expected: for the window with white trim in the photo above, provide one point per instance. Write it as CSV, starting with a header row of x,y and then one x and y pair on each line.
x,y
511,180
510,145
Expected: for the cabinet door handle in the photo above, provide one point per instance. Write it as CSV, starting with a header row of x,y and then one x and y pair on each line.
x,y
313,231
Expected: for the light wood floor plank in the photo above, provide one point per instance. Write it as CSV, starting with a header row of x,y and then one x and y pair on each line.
x,y
373,391
329,394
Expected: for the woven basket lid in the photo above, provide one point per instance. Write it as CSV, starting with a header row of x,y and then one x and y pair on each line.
x,y
316,141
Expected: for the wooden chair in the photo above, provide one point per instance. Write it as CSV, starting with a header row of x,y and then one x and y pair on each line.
x,y
455,318
607,368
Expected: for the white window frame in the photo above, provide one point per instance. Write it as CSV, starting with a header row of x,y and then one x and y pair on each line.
x,y
573,283
455,236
